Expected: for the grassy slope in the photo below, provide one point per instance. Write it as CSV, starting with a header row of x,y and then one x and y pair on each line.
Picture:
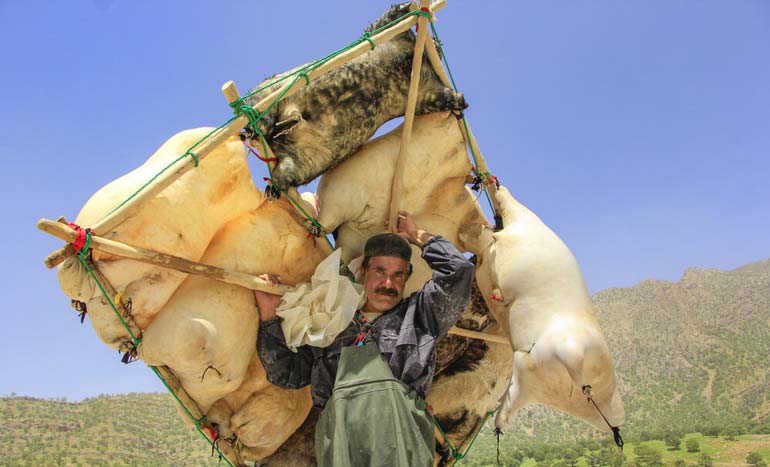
x,y
133,429
688,355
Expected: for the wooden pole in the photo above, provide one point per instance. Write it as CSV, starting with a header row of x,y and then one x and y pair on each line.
x,y
406,130
112,293
470,140
479,335
112,247
230,90
360,49
175,385
438,66
482,163
248,281
59,256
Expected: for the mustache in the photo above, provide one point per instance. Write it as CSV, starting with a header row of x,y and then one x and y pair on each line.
x,y
386,291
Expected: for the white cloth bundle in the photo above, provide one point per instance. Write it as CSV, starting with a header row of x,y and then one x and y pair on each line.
x,y
316,312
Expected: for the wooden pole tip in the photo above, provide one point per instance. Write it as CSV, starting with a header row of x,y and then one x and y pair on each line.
x,y
230,90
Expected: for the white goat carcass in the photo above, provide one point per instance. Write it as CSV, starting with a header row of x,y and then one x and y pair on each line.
x,y
560,353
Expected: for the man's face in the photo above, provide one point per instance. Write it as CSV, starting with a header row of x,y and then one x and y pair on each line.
x,y
384,280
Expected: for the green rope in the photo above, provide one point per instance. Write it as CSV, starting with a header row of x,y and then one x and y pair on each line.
x,y
87,244
367,36
483,176
194,156
319,229
313,221
489,414
82,255
241,107
456,454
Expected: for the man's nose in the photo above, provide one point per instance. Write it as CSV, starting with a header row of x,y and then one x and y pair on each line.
x,y
388,281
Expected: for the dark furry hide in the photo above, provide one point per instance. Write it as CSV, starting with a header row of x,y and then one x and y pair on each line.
x,y
322,124
455,354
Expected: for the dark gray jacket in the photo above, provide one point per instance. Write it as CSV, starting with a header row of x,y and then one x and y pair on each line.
x,y
406,335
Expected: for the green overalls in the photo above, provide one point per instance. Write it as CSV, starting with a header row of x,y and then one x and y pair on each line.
x,y
372,419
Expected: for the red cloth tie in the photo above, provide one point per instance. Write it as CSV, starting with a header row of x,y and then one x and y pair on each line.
x,y
82,236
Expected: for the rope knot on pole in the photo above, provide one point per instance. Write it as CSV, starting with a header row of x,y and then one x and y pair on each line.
x,y
240,107
194,156
82,242
483,179
367,36
425,13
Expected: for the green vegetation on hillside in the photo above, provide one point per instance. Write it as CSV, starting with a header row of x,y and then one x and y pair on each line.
x,y
144,430
124,430
691,357
654,453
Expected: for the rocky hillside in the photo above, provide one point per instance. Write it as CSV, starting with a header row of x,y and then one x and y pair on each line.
x,y
692,353
690,356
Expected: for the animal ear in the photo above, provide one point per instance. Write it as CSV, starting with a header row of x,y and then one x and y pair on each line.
x,y
291,120
476,238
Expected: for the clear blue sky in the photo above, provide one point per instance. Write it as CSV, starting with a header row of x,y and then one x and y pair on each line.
x,y
639,131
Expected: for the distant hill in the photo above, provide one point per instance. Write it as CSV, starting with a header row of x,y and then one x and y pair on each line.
x,y
690,356
694,353
120,430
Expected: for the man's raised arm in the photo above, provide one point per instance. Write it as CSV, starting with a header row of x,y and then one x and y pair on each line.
x,y
442,299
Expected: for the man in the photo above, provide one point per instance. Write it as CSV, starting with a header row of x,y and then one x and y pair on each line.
x,y
372,380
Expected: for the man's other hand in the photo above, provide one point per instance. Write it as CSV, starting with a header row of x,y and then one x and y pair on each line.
x,y
407,228
267,302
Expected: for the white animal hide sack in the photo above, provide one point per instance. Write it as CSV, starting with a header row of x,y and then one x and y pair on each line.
x,y
355,196
203,330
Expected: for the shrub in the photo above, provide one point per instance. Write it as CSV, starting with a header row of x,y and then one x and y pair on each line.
x,y
692,445
754,459
648,456
704,460
730,432
673,439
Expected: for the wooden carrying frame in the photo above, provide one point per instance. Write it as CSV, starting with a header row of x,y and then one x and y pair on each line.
x,y
233,128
